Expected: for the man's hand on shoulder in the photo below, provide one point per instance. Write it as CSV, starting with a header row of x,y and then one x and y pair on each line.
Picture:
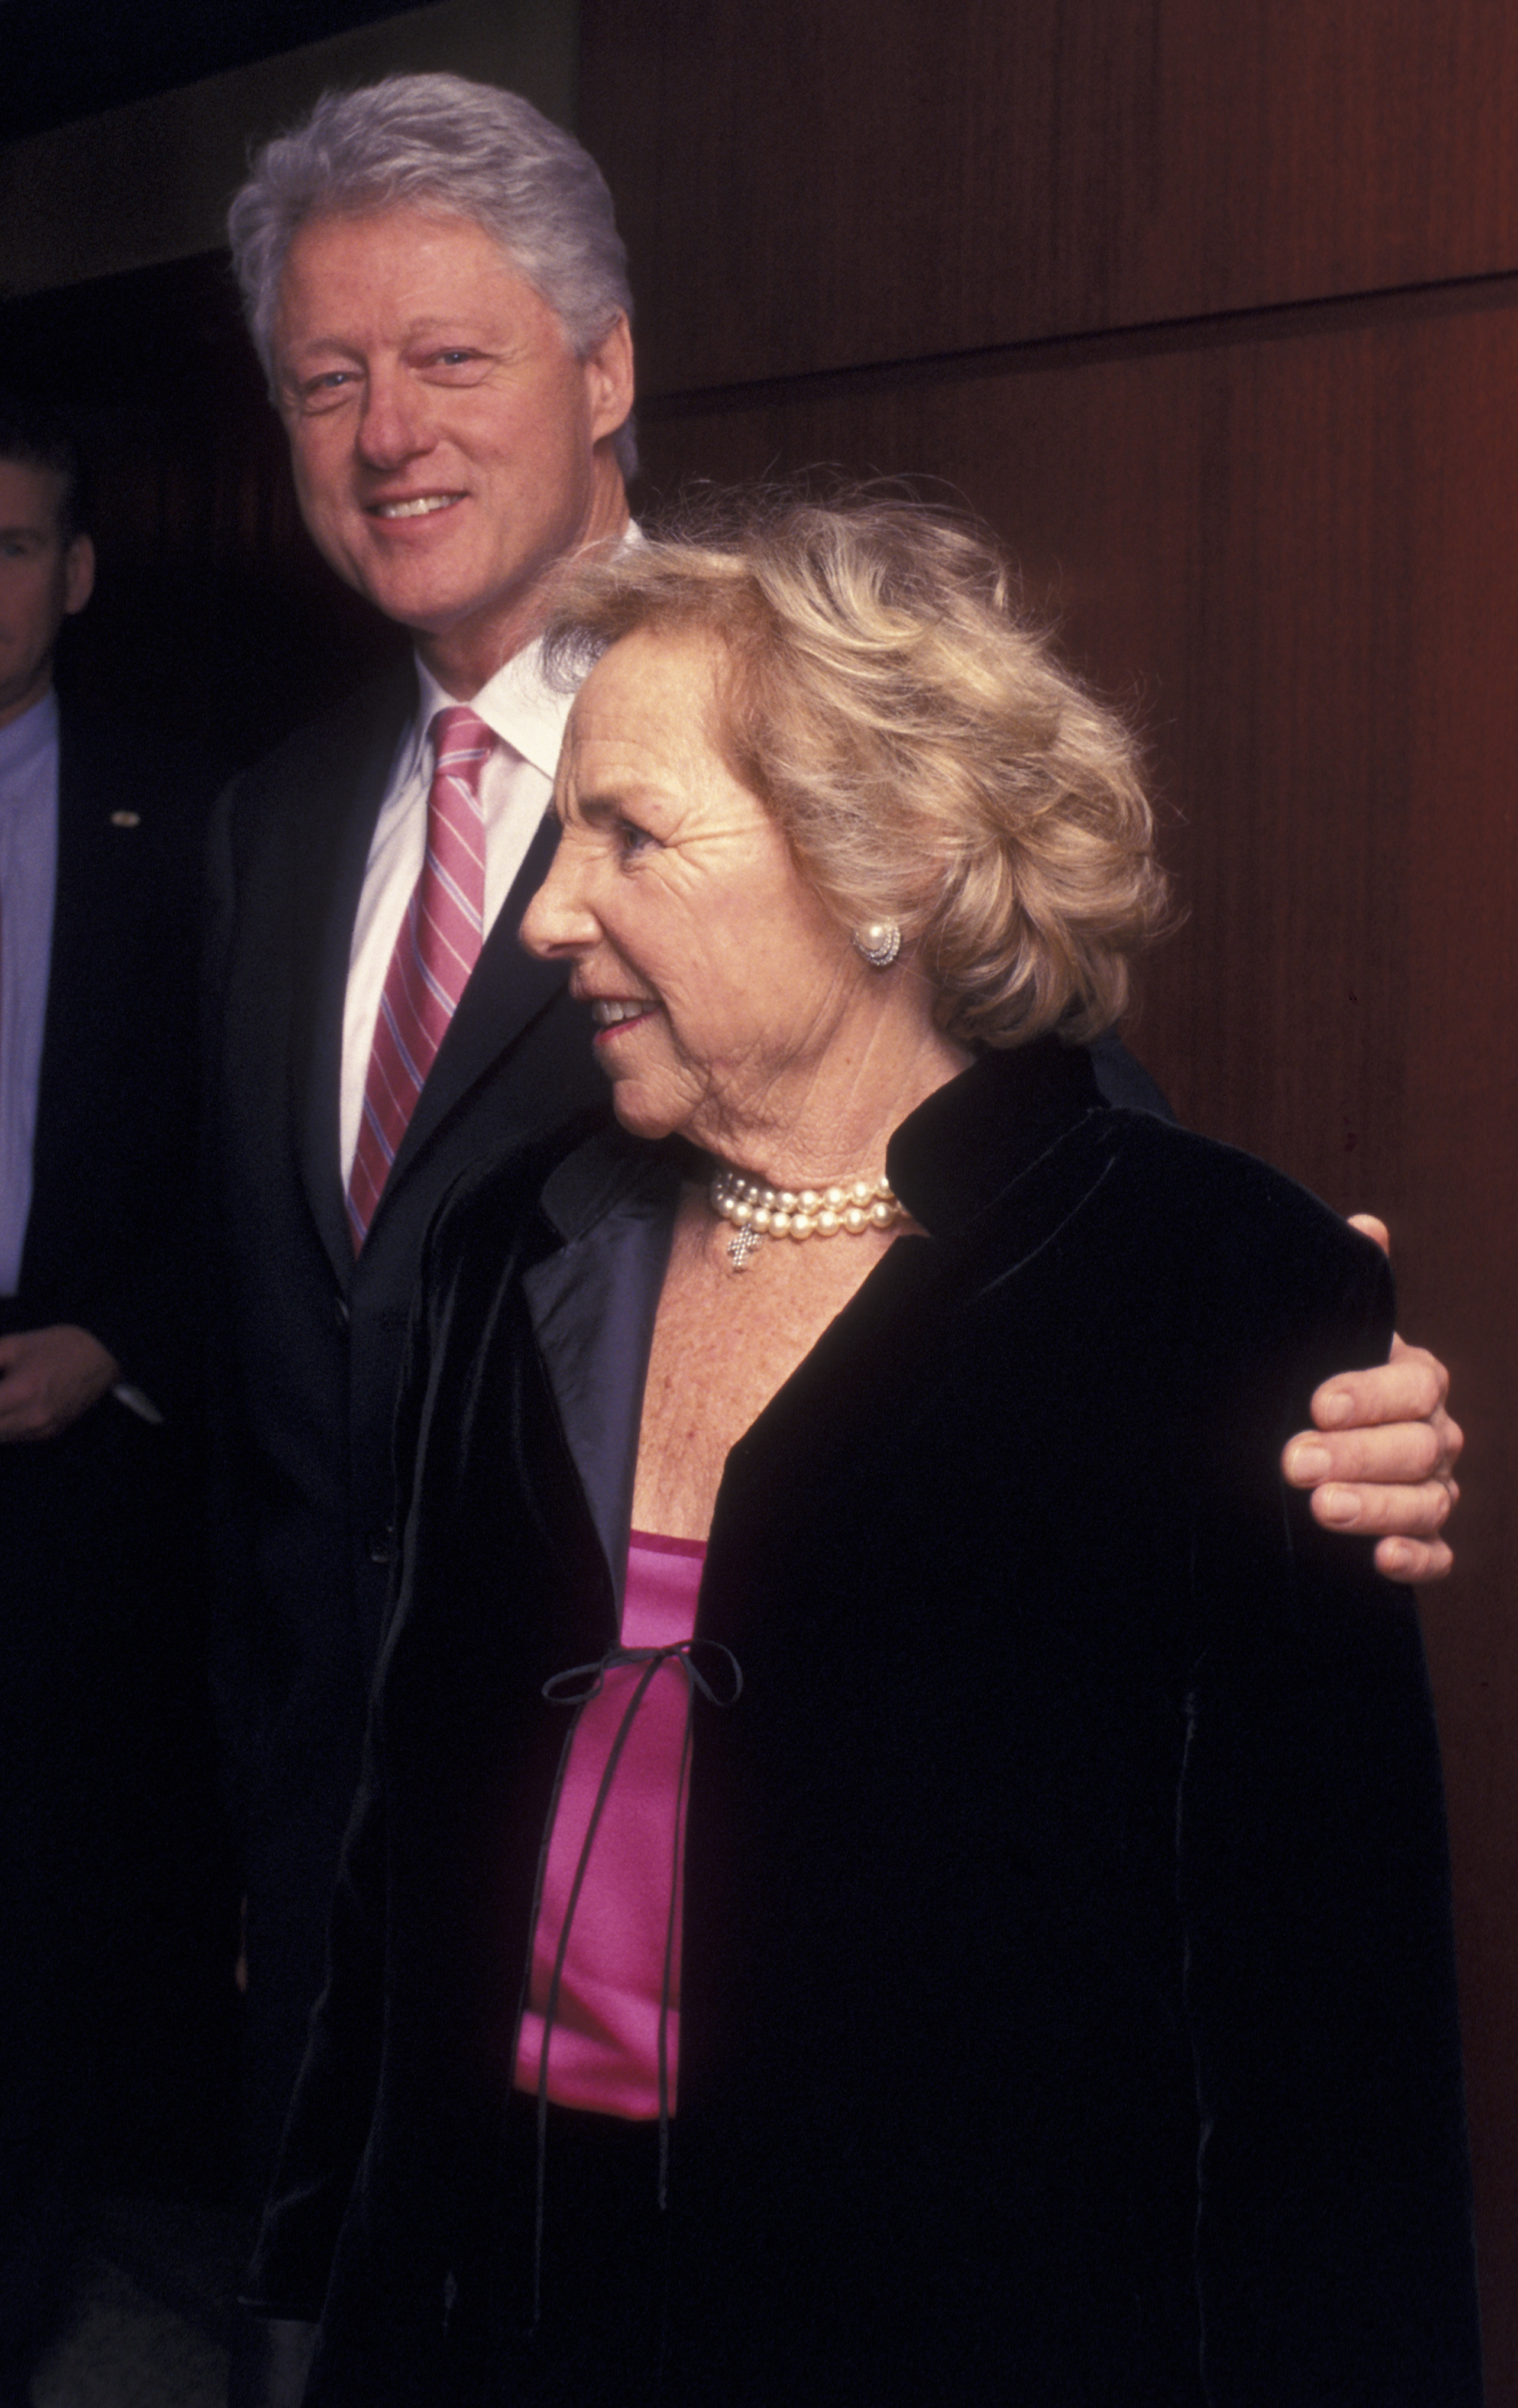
x,y
48,1378
1381,1456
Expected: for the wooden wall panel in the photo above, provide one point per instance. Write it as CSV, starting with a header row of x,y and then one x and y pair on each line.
x,y
811,187
1296,551
1263,545
1214,312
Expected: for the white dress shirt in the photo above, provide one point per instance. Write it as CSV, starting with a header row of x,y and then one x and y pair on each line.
x,y
28,886
515,791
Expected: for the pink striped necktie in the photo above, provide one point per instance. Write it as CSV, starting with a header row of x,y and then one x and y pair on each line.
x,y
435,952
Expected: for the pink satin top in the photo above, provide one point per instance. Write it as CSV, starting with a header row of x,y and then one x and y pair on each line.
x,y
618,1979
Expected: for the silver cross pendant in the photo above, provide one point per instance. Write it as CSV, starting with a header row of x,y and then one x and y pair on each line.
x,y
742,1244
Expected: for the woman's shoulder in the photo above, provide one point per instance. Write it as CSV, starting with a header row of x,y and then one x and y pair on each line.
x,y
1246,1245
1207,1180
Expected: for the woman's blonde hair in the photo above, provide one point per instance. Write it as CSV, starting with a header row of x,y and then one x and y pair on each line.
x,y
909,729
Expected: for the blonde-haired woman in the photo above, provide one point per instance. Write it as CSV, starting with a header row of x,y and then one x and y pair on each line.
x,y
897,1864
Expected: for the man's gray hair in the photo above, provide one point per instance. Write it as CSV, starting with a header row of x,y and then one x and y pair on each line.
x,y
440,143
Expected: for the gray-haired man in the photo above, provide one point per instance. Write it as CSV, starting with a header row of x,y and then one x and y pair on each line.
x,y
455,433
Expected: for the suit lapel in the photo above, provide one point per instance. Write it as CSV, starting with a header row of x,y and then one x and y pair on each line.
x,y
101,865
82,904
338,814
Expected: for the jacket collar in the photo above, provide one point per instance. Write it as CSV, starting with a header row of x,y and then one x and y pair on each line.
x,y
949,1161
340,797
607,1169
962,1148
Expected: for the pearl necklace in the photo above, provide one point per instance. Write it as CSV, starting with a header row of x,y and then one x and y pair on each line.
x,y
758,1211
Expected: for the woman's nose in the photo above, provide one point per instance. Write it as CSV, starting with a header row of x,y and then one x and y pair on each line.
x,y
558,920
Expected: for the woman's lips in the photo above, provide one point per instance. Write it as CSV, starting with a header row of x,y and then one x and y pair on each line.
x,y
613,1014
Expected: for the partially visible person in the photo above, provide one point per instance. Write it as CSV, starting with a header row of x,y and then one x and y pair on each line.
x,y
434,279
100,846
896,1861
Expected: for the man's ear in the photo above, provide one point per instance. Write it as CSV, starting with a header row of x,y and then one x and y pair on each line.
x,y
609,376
79,574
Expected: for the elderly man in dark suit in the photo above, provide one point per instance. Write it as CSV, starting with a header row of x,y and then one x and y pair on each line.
x,y
432,276
454,436
99,870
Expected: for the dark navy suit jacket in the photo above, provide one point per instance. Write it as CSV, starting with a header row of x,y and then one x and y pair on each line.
x,y
307,1342
101,1612
110,1241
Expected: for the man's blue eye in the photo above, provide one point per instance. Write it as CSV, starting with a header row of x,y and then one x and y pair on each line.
x,y
332,381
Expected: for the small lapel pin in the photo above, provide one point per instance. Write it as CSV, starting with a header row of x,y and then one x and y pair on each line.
x,y
126,819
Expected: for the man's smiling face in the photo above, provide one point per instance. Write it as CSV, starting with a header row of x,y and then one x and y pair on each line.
x,y
449,447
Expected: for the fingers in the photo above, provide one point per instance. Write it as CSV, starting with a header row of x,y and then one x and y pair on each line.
x,y
1402,1554
24,1417
28,1408
1393,1512
48,1378
1379,1460
21,1411
1402,1455
1410,1386
1413,1559
1399,1454
1409,1517
1380,1457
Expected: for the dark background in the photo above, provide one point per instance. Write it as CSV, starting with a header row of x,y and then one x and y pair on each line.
x,y
74,58
1214,313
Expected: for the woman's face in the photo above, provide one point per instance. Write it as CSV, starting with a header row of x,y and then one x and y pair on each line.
x,y
721,991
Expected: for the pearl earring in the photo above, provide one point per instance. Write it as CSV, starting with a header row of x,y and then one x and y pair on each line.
x,y
880,943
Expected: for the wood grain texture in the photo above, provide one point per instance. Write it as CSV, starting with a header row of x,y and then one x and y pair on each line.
x,y
1297,554
808,187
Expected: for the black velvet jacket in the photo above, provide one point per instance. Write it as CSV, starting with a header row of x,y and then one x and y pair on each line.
x,y
1069,2010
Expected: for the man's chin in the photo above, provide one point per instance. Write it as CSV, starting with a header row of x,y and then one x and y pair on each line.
x,y
413,581
412,602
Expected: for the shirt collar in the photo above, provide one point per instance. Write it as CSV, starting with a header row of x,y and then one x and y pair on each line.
x,y
518,703
25,741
